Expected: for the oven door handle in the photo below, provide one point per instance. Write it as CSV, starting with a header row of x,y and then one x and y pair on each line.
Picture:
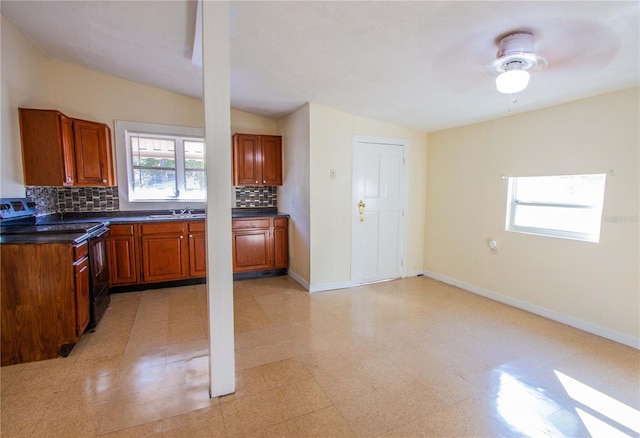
x,y
101,233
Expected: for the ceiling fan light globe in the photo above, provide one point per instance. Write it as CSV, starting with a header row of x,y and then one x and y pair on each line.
x,y
512,81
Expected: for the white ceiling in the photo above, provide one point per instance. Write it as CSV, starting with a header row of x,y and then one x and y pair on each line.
x,y
415,64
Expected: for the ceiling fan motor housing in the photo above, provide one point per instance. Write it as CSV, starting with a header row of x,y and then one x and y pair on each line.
x,y
522,42
516,51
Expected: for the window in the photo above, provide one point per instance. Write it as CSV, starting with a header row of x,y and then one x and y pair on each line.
x,y
568,206
163,162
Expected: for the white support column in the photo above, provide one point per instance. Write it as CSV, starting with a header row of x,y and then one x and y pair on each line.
x,y
215,53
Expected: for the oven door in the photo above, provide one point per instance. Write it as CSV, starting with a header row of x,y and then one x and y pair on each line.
x,y
98,260
99,270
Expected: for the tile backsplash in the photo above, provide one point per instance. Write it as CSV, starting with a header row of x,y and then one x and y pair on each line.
x,y
46,199
86,199
250,196
74,199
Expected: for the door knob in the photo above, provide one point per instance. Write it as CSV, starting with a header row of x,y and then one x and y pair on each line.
x,y
361,206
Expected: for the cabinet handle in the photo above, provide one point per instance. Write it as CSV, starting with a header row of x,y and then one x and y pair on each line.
x,y
256,181
104,181
190,236
182,237
264,181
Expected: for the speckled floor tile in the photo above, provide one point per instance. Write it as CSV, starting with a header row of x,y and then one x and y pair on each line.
x,y
406,358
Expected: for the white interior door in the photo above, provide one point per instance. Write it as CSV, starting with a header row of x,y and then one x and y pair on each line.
x,y
378,203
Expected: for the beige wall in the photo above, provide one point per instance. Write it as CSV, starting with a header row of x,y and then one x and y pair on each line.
x,y
591,285
293,196
247,123
31,80
331,141
24,80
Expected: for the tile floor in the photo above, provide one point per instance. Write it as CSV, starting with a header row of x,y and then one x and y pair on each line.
x,y
407,358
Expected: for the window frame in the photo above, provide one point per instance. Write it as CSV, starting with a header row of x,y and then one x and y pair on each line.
x,y
125,130
513,204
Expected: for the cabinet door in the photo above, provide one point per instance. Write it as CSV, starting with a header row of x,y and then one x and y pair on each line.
x,y
280,243
271,160
47,154
91,153
197,255
247,158
123,261
197,250
66,133
165,252
83,299
251,250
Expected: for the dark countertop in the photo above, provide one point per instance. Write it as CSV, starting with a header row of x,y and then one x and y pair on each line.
x,y
70,238
121,217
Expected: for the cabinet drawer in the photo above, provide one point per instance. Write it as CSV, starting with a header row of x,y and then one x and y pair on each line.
x,y
162,228
80,251
239,224
196,227
280,222
122,230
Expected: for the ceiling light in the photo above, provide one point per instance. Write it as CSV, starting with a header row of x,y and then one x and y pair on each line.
x,y
513,80
515,60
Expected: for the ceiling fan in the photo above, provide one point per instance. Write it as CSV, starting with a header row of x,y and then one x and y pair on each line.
x,y
516,59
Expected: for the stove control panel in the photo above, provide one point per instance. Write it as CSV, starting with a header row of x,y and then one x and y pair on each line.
x,y
13,208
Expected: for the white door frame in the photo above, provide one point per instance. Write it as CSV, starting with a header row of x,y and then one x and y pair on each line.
x,y
405,187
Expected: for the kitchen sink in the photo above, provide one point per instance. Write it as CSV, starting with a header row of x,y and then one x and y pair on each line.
x,y
177,216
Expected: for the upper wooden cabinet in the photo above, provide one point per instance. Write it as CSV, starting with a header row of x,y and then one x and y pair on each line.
x,y
257,160
61,151
92,148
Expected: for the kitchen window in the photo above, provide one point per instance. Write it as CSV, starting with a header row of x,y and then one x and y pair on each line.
x,y
163,162
568,206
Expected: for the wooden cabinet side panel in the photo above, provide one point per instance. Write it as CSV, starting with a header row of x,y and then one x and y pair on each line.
x,y
271,160
38,301
42,153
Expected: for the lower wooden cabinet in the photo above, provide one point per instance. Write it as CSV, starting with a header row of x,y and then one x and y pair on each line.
x,y
83,298
197,250
259,244
165,251
156,252
280,243
43,319
123,255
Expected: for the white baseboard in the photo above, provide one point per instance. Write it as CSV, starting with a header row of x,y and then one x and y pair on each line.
x,y
414,273
331,286
345,284
302,282
542,311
